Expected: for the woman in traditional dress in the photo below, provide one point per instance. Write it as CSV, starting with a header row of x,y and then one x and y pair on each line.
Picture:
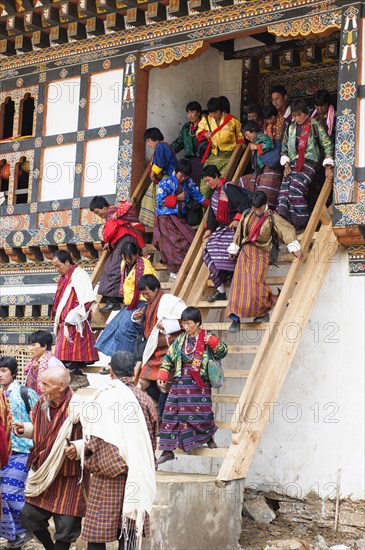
x,y
187,141
324,111
223,217
14,475
249,294
188,419
264,178
221,131
121,226
254,114
40,345
172,235
162,165
121,333
300,156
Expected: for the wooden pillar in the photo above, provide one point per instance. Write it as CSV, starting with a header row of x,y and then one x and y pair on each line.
x,y
140,125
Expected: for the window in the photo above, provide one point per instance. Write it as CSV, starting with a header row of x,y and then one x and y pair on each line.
x,y
21,181
26,115
100,167
105,99
62,109
58,174
4,179
7,111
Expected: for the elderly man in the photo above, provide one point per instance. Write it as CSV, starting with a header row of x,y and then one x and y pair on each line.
x,y
119,451
71,308
52,488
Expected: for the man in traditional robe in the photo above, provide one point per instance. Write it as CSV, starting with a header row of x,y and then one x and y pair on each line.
x,y
52,488
71,308
119,451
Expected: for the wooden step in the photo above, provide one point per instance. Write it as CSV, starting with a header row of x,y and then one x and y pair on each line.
x,y
224,398
220,452
236,373
244,326
242,349
223,425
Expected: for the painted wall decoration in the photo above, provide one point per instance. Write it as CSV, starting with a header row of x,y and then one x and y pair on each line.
x,y
166,56
316,23
349,38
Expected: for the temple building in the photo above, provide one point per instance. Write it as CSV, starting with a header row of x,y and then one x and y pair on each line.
x,y
81,80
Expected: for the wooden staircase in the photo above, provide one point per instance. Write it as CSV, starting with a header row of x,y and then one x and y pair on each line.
x,y
261,354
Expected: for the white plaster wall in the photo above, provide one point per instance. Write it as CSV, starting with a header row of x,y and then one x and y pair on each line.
x,y
171,88
318,424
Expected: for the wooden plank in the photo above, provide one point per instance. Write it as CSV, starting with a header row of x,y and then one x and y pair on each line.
x,y
244,326
220,452
95,276
236,373
242,165
223,425
242,349
224,398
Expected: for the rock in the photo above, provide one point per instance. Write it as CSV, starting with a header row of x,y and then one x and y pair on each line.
x,y
320,543
287,544
258,510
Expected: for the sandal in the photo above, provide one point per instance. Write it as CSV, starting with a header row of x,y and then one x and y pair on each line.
x,y
212,444
165,457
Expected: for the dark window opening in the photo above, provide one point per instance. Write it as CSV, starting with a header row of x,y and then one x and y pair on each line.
x,y
7,118
26,115
21,183
4,181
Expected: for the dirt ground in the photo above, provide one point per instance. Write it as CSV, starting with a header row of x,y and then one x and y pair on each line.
x,y
254,536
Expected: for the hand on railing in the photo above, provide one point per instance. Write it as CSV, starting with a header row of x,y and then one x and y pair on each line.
x,y
207,234
329,172
287,169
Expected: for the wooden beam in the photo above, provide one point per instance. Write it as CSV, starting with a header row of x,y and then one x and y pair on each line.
x,y
77,31
32,21
23,43
7,47
114,22
41,39
95,26
86,8
200,6
135,17
68,12
156,11
58,35
179,8
105,6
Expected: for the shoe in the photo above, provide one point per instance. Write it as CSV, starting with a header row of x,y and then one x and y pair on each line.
x,y
165,457
110,306
217,296
212,444
79,381
21,539
235,326
263,319
105,370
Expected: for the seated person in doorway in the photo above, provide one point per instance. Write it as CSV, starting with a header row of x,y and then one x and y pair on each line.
x,y
301,156
223,217
324,111
265,160
161,325
162,165
188,418
12,478
249,294
121,332
40,347
121,227
279,99
221,131
172,235
186,140
254,114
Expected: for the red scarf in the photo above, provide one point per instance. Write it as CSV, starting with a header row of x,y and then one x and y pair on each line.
x,y
139,267
222,209
63,282
227,119
197,359
303,140
256,230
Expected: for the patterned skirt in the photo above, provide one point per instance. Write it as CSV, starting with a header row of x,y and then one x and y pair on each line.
x,y
148,206
13,478
293,195
249,295
120,334
215,254
80,349
172,236
188,419
268,181
110,278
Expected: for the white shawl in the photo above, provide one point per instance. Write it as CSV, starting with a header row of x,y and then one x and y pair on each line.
x,y
169,312
81,282
115,416
38,481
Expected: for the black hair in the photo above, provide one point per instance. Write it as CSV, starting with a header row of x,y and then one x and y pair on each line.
x,y
63,256
214,104
98,202
259,198
41,337
210,171
251,126
226,106
193,106
183,166
148,281
322,97
269,111
10,363
122,363
154,134
130,249
299,106
278,89
192,314
254,108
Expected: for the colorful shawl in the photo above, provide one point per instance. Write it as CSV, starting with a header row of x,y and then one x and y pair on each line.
x,y
227,118
330,118
197,359
302,144
257,227
63,282
139,268
34,370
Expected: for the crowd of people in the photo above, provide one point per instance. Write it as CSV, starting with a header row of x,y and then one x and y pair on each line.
x,y
57,461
